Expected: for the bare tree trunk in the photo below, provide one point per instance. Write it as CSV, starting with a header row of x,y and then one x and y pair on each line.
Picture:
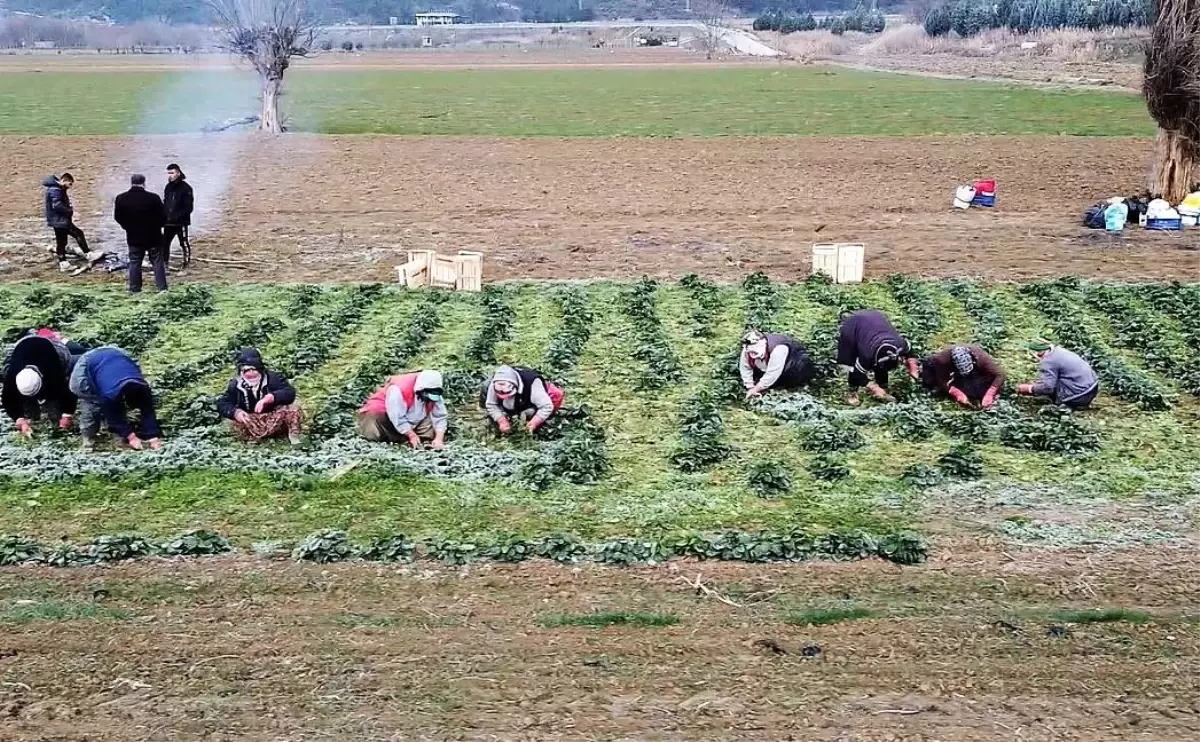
x,y
1176,166
269,121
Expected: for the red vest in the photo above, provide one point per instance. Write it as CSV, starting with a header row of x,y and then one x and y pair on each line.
x,y
376,404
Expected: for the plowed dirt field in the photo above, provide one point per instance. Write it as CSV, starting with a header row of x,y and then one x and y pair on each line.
x,y
967,648
311,208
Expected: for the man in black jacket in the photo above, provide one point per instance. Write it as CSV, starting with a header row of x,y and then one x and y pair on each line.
x,y
141,214
179,202
60,216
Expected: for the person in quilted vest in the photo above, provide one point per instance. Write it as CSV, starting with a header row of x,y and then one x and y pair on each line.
x,y
410,407
515,391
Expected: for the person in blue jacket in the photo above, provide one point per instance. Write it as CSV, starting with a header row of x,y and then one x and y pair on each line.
x,y
108,384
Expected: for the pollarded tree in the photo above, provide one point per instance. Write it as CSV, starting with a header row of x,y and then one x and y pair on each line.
x,y
267,34
1172,89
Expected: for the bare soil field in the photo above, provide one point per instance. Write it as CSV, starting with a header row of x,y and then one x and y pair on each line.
x,y
968,648
1032,70
310,208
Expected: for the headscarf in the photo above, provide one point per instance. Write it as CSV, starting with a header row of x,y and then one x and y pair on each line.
x,y
964,362
755,344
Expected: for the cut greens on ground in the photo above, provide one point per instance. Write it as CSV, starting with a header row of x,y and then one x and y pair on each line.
x,y
656,453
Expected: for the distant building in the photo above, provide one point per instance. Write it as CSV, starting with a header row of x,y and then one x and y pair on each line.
x,y
438,19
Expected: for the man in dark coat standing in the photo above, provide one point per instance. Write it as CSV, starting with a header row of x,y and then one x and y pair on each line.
x,y
141,214
179,202
60,216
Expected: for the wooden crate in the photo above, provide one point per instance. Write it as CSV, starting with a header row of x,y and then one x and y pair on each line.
x,y
470,271
842,262
461,272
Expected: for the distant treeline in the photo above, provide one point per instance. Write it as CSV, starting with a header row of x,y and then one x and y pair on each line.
x,y
971,17
859,19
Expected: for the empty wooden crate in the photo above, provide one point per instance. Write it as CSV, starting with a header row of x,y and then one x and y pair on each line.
x,y
842,262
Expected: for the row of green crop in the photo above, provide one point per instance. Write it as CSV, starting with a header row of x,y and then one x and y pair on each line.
x,y
327,546
1154,320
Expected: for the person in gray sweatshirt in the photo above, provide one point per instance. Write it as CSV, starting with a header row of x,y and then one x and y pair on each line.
x,y
1063,376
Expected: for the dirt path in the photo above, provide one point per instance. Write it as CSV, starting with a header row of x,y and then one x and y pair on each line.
x,y
347,208
899,67
959,649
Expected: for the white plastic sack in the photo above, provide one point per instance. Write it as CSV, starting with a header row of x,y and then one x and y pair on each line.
x,y
1160,209
963,197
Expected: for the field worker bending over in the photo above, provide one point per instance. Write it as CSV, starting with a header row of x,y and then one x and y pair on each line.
x,y
1063,376
868,343
515,391
409,407
109,384
260,403
771,361
965,372
36,379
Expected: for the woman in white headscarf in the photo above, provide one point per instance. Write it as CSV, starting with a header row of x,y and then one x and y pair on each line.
x,y
773,361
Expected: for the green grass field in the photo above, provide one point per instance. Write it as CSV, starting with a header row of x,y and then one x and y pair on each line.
x,y
338,343
744,101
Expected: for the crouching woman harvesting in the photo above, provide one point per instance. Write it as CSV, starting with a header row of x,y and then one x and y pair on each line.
x,y
260,403
515,391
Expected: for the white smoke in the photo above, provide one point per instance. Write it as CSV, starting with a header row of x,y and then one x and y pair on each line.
x,y
170,129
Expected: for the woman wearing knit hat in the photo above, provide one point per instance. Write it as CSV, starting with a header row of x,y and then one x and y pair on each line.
x,y
36,379
409,407
516,391
966,373
1063,376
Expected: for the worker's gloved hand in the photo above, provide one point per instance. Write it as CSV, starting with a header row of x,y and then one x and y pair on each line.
x,y
989,399
958,395
134,442
64,422
913,370
880,393
438,442
534,424
24,427
504,425
1025,389
241,416
155,444
264,403
753,392
414,440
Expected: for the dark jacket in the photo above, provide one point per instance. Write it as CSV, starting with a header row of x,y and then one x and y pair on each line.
x,y
54,362
58,204
938,374
140,213
178,201
238,396
868,340
109,379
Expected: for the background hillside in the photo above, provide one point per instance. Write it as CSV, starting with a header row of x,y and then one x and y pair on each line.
x,y
379,11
